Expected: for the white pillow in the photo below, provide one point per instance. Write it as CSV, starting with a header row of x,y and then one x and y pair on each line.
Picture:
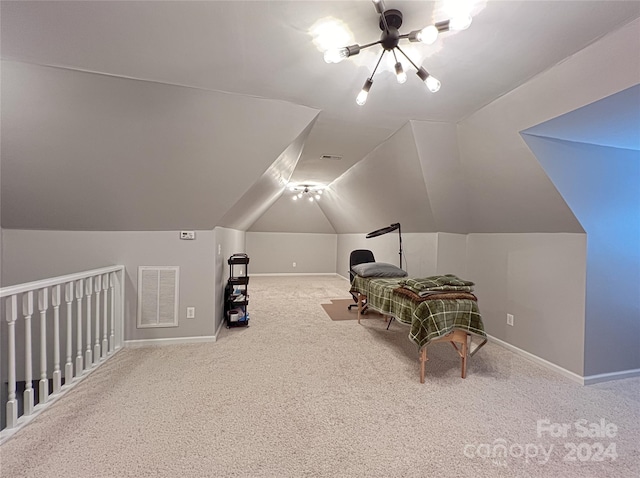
x,y
378,269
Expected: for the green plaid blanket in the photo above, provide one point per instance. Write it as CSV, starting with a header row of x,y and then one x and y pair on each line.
x,y
428,319
448,282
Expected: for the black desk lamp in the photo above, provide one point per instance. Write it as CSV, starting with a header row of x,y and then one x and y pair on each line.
x,y
385,230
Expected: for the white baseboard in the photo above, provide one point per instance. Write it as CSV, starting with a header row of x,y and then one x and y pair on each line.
x,y
278,274
586,380
540,361
606,377
169,341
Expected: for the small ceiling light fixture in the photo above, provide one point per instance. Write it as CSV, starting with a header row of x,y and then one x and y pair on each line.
x,y
390,22
306,191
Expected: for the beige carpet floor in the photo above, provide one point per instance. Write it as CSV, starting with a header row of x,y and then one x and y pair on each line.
x,y
299,395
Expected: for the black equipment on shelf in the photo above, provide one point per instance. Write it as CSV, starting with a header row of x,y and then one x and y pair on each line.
x,y
236,296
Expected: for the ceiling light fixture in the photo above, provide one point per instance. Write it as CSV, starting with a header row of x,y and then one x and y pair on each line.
x,y
390,22
302,191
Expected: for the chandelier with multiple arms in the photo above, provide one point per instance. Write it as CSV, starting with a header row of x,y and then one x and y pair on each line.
x,y
390,22
308,191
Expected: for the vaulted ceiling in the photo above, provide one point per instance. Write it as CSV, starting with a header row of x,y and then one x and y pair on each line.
x,y
174,115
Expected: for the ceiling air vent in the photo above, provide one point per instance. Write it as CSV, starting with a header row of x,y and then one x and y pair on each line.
x,y
332,157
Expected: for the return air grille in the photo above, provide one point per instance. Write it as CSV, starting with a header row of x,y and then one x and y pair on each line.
x,y
331,157
158,296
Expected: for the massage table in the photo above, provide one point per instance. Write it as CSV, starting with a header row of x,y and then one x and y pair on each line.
x,y
441,315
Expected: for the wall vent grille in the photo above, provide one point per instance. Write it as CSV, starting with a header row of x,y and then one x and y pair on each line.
x,y
331,157
158,288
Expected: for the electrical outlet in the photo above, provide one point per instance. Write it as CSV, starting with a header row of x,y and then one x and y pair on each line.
x,y
191,312
294,264
510,319
188,235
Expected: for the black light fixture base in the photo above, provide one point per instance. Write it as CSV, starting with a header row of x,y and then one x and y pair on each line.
x,y
390,21
393,18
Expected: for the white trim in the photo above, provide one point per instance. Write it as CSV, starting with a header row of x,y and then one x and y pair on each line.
x,y
586,380
24,420
40,284
296,274
169,341
606,377
540,361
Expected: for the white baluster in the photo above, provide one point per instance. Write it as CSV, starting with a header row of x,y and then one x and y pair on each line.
x,y
79,296
112,279
87,353
68,364
96,345
27,311
12,403
105,342
43,305
55,302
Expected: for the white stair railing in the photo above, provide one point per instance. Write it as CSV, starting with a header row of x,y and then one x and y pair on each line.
x,y
100,291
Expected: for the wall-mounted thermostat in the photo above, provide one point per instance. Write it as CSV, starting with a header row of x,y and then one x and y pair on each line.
x,y
188,235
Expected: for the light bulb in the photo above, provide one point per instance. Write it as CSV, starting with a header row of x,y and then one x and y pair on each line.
x,y
336,55
320,192
401,76
379,6
299,195
432,83
292,188
362,96
310,199
460,22
295,198
317,197
428,35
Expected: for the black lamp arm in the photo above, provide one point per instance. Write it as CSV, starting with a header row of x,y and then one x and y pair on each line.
x,y
362,47
400,237
405,55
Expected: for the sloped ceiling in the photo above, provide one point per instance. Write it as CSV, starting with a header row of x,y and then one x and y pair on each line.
x,y
384,188
266,191
140,115
92,152
444,176
612,121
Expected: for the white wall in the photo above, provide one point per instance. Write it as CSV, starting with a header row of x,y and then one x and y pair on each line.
x,y
452,254
606,200
32,255
509,190
275,253
540,279
419,258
